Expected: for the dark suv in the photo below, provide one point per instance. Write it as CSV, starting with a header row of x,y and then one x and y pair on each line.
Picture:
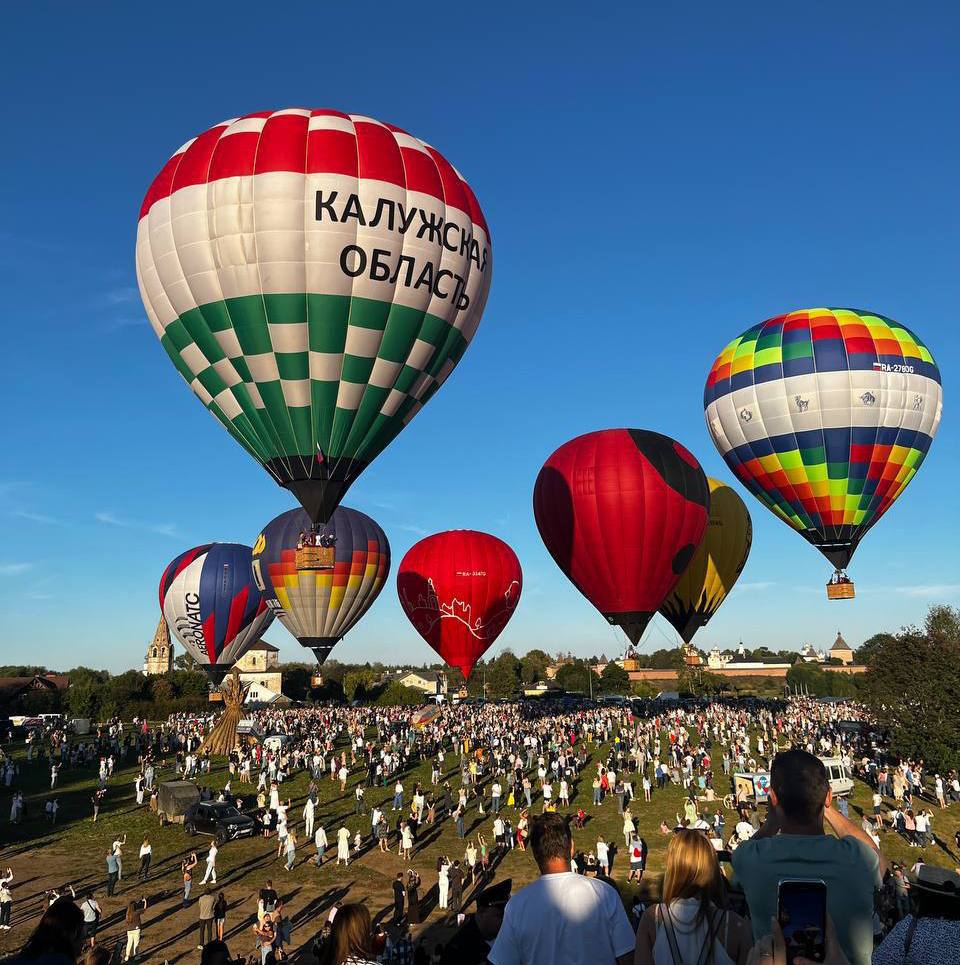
x,y
223,821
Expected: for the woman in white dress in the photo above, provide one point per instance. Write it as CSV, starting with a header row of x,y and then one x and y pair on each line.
x,y
443,883
343,846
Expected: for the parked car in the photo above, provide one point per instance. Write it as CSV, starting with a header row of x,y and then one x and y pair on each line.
x,y
223,821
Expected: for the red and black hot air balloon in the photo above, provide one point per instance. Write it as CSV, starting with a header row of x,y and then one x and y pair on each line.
x,y
622,512
459,590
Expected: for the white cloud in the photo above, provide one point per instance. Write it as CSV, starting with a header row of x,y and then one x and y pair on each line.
x,y
122,295
162,529
38,517
15,569
930,590
410,528
754,587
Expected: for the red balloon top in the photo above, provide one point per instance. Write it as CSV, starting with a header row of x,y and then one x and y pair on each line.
x,y
622,512
459,590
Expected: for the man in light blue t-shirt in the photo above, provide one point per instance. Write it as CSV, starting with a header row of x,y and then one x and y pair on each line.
x,y
792,844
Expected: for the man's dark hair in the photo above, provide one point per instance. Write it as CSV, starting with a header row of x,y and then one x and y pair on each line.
x,y
801,785
215,953
550,839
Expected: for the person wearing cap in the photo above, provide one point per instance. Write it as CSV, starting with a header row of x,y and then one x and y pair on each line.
x,y
471,943
562,918
931,934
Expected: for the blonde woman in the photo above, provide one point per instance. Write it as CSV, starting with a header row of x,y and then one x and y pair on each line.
x,y
691,923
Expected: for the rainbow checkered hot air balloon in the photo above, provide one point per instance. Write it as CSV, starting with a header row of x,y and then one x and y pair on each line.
x,y
315,277
825,415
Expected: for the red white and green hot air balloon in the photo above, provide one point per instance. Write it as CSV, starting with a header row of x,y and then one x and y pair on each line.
x,y
315,277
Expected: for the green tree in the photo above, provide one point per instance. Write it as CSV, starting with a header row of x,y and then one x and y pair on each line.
x,y
533,666
503,675
577,677
614,679
864,653
356,683
669,659
183,661
396,695
912,686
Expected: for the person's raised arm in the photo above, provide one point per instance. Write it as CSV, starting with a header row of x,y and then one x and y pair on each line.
x,y
845,828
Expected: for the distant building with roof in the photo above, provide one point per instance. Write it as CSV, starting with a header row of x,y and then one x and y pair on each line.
x,y
427,681
809,654
260,666
12,689
841,651
159,656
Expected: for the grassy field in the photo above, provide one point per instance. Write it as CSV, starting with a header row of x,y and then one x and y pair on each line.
x,y
74,852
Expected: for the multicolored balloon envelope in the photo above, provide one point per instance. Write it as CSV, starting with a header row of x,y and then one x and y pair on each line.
x,y
210,603
320,581
825,415
315,277
622,512
715,566
459,590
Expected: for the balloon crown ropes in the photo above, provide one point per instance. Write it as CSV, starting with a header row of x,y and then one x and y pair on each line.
x,y
825,415
315,277
211,605
320,580
622,512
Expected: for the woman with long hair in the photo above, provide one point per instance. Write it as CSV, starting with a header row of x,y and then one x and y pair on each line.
x,y
351,940
692,922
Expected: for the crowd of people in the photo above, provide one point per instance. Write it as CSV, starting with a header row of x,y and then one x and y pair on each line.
x,y
514,776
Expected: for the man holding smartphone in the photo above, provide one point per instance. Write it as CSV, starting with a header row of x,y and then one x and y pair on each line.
x,y
792,844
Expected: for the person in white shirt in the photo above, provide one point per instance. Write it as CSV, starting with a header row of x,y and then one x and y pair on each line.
x,y
211,872
562,918
309,811
320,840
6,899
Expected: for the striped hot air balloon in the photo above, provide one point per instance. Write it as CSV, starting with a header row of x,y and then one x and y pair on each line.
x,y
211,605
315,277
825,415
321,581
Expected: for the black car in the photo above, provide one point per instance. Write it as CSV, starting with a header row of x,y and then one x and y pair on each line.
x,y
223,821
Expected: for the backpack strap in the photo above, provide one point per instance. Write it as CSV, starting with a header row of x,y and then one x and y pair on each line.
x,y
663,913
713,929
908,940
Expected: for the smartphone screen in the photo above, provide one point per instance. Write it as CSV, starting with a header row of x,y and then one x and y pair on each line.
x,y
802,914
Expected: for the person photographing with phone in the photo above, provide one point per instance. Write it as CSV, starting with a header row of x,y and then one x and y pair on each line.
x,y
792,844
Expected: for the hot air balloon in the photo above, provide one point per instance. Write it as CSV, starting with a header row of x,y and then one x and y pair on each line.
x,y
825,415
321,581
211,605
315,277
459,590
622,512
715,566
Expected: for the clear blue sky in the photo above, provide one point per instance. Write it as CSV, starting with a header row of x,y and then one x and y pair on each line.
x,y
656,178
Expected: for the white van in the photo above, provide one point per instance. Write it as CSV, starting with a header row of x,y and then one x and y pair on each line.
x,y
840,781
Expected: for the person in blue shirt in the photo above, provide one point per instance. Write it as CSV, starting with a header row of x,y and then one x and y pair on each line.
x,y
792,844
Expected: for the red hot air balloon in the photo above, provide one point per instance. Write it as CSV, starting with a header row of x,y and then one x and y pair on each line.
x,y
622,512
459,590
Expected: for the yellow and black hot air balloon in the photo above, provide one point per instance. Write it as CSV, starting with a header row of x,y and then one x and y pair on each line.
x,y
715,566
